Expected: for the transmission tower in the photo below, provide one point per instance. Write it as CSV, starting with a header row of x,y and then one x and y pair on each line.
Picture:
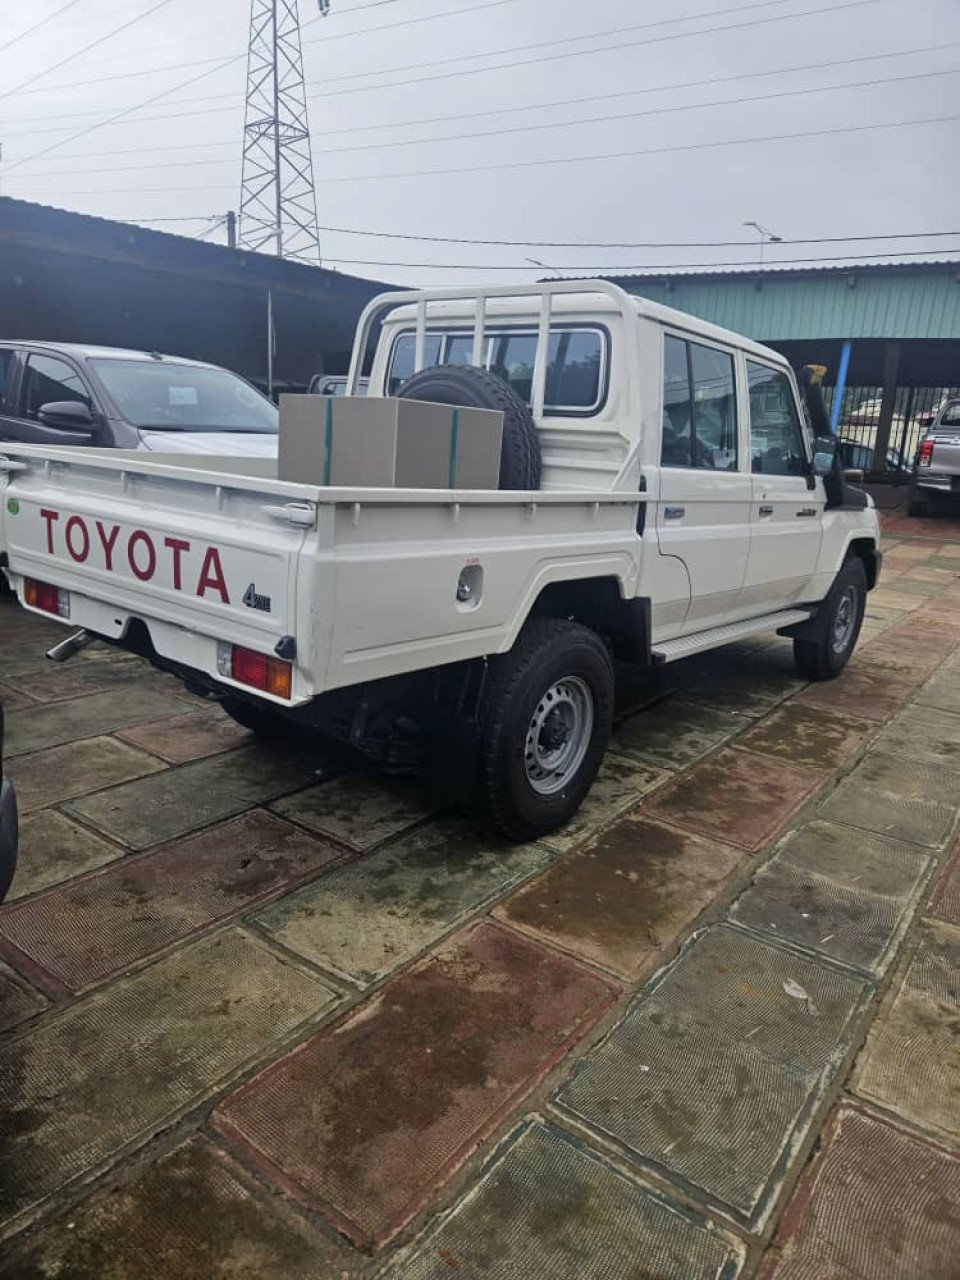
x,y
278,203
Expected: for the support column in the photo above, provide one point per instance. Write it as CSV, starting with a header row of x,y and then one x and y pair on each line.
x,y
891,374
842,371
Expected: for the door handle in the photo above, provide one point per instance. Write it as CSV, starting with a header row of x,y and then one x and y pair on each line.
x,y
766,512
674,513
806,512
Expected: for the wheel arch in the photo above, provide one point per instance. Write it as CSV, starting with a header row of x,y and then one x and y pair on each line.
x,y
599,603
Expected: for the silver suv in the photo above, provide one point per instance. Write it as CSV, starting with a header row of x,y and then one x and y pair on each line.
x,y
936,472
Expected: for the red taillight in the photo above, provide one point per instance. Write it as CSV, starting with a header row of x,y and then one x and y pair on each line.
x,y
258,670
926,453
49,599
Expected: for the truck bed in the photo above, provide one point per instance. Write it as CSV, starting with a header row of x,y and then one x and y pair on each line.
x,y
358,583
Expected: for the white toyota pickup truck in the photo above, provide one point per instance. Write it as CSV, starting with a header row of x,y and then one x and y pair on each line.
x,y
662,493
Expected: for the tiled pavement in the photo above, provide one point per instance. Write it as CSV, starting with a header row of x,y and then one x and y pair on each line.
x,y
263,1018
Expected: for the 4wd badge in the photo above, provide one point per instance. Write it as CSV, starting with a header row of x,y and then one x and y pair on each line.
x,y
254,601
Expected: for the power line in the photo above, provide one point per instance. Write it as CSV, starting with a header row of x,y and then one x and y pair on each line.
x,y
157,97
37,25
596,157
614,48
94,44
473,115
548,44
637,115
636,244
654,267
343,35
461,137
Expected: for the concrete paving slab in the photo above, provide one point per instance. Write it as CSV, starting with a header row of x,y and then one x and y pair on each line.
x,y
892,598
365,1119
877,1204
188,737
712,1077
945,902
674,733
838,892
749,690
899,798
54,724
620,784
358,810
365,919
736,796
18,1002
103,1076
625,897
804,735
864,691
195,1215
12,699
56,682
61,773
914,584
911,1062
177,801
924,734
932,572
54,849
548,1207
86,931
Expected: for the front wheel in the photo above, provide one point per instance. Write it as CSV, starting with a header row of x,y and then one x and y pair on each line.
x,y
842,615
544,729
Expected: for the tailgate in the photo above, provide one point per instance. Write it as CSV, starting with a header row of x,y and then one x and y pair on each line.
x,y
946,453
188,558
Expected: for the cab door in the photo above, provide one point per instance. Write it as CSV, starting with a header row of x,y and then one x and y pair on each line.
x,y
786,513
703,511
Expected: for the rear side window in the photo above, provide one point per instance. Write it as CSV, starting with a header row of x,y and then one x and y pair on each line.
x,y
776,438
6,374
699,407
47,380
575,369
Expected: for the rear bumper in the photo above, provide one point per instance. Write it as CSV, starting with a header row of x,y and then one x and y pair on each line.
x,y
942,481
9,824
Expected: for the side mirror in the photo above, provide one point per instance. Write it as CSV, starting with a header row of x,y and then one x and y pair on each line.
x,y
824,455
67,415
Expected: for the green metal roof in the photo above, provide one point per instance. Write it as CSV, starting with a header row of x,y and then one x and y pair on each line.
x,y
917,301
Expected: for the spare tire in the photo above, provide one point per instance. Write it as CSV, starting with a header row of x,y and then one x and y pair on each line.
x,y
473,388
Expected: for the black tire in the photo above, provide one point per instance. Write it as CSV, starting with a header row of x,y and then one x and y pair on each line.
x,y
261,720
477,389
550,655
825,657
919,504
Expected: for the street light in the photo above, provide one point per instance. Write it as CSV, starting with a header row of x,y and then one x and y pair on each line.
x,y
766,236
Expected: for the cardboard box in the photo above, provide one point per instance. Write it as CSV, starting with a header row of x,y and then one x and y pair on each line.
x,y
366,442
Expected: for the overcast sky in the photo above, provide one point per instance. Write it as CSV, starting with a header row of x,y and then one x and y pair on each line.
x,y
644,62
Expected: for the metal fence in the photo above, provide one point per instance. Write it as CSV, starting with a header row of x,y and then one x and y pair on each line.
x,y
914,410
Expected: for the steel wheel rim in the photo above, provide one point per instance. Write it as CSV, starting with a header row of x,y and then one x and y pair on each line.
x,y
845,619
558,735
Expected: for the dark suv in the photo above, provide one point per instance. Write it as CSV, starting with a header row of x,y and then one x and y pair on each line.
x,y
108,398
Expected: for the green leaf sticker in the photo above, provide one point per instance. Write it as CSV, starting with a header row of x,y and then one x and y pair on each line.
x,y
13,506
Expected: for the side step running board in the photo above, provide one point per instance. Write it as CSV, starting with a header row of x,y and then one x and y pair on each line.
x,y
686,646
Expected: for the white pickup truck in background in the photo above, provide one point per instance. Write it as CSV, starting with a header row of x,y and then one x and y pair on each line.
x,y
661,494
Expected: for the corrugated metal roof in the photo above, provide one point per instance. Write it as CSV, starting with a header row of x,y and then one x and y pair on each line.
x,y
919,300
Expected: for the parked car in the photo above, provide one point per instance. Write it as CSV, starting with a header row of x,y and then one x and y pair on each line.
x,y
8,825
661,496
936,472
334,385
859,457
109,398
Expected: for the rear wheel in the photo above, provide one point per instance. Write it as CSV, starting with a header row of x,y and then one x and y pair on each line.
x,y
842,615
919,504
544,729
